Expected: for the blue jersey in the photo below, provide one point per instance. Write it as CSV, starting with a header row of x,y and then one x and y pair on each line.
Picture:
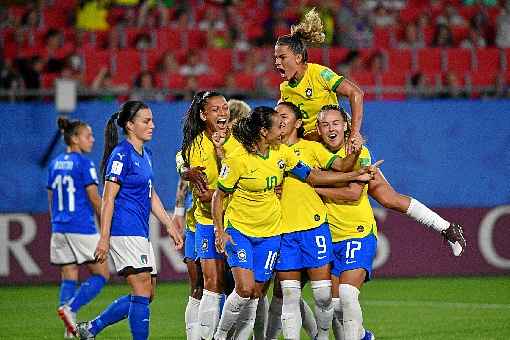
x,y
71,211
133,172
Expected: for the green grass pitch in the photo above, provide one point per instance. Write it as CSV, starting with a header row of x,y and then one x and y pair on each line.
x,y
423,308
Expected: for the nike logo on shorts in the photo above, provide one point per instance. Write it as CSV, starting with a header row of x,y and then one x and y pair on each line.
x,y
350,261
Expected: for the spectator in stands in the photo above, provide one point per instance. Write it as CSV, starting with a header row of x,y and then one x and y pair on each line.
x,y
443,36
419,87
231,90
103,85
376,63
143,41
452,87
144,88
352,63
194,66
91,15
31,19
31,71
474,39
503,28
214,19
412,37
353,29
183,22
255,64
451,17
10,78
190,89
381,17
168,64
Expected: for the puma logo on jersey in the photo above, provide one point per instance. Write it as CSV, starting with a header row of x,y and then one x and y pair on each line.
x,y
121,155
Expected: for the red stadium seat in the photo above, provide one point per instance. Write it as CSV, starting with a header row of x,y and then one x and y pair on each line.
x,y
429,60
245,81
366,81
48,80
127,62
195,39
481,79
384,37
220,60
395,80
336,56
94,60
458,60
400,59
315,55
167,38
487,60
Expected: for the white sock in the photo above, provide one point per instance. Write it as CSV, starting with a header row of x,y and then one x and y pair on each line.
x,y
309,322
324,308
351,309
274,322
338,320
209,313
291,316
246,320
261,319
191,319
231,313
420,213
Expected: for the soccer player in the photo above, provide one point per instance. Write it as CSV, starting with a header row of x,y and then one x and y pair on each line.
x,y
73,198
251,239
311,86
306,239
128,199
207,115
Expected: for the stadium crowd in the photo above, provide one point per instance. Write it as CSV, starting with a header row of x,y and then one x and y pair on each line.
x,y
167,50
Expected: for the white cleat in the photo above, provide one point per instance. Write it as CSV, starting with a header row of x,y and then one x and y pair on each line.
x,y
68,317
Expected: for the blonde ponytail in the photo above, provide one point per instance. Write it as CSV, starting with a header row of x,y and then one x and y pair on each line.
x,y
310,29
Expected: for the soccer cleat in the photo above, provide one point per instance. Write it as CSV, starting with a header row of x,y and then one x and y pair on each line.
x,y
455,237
68,335
82,331
368,335
65,314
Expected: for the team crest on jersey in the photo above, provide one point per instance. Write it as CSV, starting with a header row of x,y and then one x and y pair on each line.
x,y
143,259
308,92
241,255
205,244
281,164
360,228
317,217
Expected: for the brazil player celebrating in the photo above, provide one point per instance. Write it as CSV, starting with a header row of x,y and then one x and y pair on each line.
x,y
253,216
73,198
208,115
311,86
128,199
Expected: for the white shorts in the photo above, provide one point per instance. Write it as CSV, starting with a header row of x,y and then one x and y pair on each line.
x,y
132,254
67,248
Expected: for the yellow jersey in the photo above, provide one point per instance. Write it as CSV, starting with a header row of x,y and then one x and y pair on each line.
x,y
202,153
302,207
316,89
352,219
254,208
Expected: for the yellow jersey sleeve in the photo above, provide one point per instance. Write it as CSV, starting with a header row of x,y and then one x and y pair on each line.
x,y
327,78
290,159
231,169
323,157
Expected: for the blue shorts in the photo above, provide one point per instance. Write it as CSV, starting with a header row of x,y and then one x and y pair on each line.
x,y
190,252
304,249
204,242
354,253
257,254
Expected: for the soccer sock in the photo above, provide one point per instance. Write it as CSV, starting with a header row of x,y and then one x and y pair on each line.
x,y
291,316
191,319
324,308
209,313
260,327
309,322
338,320
139,317
222,302
117,311
352,315
231,312
87,291
274,323
420,213
67,290
246,320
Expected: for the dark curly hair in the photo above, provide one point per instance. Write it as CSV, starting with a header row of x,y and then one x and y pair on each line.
x,y
247,129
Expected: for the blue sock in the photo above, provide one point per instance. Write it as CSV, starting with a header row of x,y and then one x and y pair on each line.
x,y
115,312
88,290
67,290
139,317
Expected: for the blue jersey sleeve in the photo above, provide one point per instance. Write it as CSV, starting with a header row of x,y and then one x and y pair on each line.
x,y
118,166
48,183
301,171
89,172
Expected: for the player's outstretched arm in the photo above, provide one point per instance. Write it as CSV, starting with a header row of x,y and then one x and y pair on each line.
x,y
351,192
355,94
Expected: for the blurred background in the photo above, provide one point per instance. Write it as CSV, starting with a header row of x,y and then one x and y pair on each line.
x,y
436,77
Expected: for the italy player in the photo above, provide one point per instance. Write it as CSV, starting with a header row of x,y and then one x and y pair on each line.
x,y
73,199
207,115
128,199
252,218
312,86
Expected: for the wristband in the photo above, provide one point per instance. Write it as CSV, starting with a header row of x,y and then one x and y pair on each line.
x,y
179,211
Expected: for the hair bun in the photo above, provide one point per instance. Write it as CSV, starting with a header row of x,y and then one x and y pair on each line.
x,y
63,123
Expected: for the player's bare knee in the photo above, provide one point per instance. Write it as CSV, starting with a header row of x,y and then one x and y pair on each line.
x,y
69,272
245,289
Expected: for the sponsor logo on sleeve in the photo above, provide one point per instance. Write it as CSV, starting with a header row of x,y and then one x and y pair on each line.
x,y
117,167
224,171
